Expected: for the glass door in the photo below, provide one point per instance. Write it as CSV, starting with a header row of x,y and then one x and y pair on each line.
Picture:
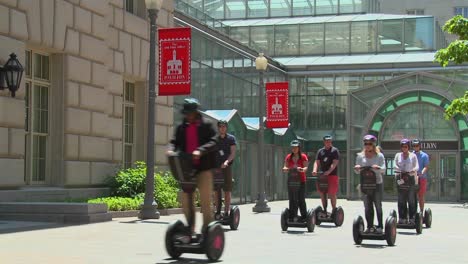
x,y
433,183
448,177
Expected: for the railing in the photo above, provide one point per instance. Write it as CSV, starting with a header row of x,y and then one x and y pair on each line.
x,y
202,17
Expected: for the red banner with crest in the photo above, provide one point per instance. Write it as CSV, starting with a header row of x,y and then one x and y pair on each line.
x,y
277,105
174,61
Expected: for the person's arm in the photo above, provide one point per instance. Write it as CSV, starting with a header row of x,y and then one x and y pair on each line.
x,y
173,143
414,160
332,167
211,145
286,166
396,168
358,165
381,163
425,165
316,164
305,163
231,156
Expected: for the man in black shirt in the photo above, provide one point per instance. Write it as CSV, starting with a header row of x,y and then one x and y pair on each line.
x,y
327,162
224,159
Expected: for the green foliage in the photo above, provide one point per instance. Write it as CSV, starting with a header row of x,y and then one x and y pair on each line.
x,y
120,203
456,52
458,106
129,182
166,190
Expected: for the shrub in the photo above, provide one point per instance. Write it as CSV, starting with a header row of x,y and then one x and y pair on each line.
x,y
166,190
129,182
119,203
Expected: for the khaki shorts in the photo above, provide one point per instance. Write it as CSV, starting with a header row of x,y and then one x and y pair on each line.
x,y
227,172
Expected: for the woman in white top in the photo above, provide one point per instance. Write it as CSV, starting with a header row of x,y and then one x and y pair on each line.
x,y
371,157
406,162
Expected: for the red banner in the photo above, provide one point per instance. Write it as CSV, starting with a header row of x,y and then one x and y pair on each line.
x,y
277,105
174,61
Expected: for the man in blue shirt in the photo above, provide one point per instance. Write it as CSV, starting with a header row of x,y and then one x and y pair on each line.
x,y
423,161
224,159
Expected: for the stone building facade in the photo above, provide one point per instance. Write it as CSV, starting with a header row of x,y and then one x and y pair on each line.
x,y
80,112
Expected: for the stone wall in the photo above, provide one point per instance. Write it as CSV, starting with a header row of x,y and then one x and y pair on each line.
x,y
100,45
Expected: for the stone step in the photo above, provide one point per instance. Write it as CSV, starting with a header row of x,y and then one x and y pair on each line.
x,y
66,213
50,194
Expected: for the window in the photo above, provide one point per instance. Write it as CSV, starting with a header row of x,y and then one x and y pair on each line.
x,y
415,12
128,124
461,11
131,6
37,83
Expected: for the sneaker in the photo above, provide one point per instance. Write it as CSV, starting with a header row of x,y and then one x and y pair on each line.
x,y
411,221
379,230
184,239
368,230
401,221
302,219
323,214
372,229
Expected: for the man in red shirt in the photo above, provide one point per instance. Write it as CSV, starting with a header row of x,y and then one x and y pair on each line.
x,y
197,136
297,160
327,161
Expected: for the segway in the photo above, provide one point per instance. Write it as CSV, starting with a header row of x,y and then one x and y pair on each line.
x,y
427,218
232,220
179,238
294,182
368,186
408,182
337,215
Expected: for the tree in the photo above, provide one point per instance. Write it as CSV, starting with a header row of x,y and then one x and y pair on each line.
x,y
456,52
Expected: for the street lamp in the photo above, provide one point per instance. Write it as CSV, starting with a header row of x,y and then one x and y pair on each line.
x,y
149,209
261,64
11,74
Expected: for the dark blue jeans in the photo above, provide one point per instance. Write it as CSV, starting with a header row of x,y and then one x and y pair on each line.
x,y
371,200
407,200
297,200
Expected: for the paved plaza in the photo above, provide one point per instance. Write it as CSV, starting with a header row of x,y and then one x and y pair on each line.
x,y
258,240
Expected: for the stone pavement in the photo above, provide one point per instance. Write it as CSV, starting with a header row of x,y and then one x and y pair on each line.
x,y
258,240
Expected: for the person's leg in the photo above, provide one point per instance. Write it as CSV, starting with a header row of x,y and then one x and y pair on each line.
x,y
422,193
412,202
323,197
205,186
401,206
378,204
291,204
189,214
217,197
333,181
227,189
369,209
302,202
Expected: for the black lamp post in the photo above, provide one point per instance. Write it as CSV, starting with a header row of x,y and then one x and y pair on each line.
x,y
11,74
149,210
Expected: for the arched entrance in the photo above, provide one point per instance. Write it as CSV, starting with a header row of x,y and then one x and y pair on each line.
x,y
409,107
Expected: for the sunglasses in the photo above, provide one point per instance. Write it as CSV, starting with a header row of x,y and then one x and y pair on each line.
x,y
415,146
368,144
404,146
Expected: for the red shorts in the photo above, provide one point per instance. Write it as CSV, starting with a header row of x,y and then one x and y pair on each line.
x,y
422,186
333,182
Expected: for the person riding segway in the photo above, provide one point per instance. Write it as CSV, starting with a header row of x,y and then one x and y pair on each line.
x,y
406,168
327,160
224,160
370,164
296,164
423,162
192,158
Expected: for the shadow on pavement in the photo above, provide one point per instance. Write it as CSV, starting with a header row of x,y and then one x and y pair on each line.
x,y
327,226
407,233
144,222
187,261
297,232
30,227
372,246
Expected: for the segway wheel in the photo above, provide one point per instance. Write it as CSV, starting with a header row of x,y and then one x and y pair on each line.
x,y
310,221
284,219
428,217
235,218
418,223
358,228
390,230
318,210
214,242
174,229
338,216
